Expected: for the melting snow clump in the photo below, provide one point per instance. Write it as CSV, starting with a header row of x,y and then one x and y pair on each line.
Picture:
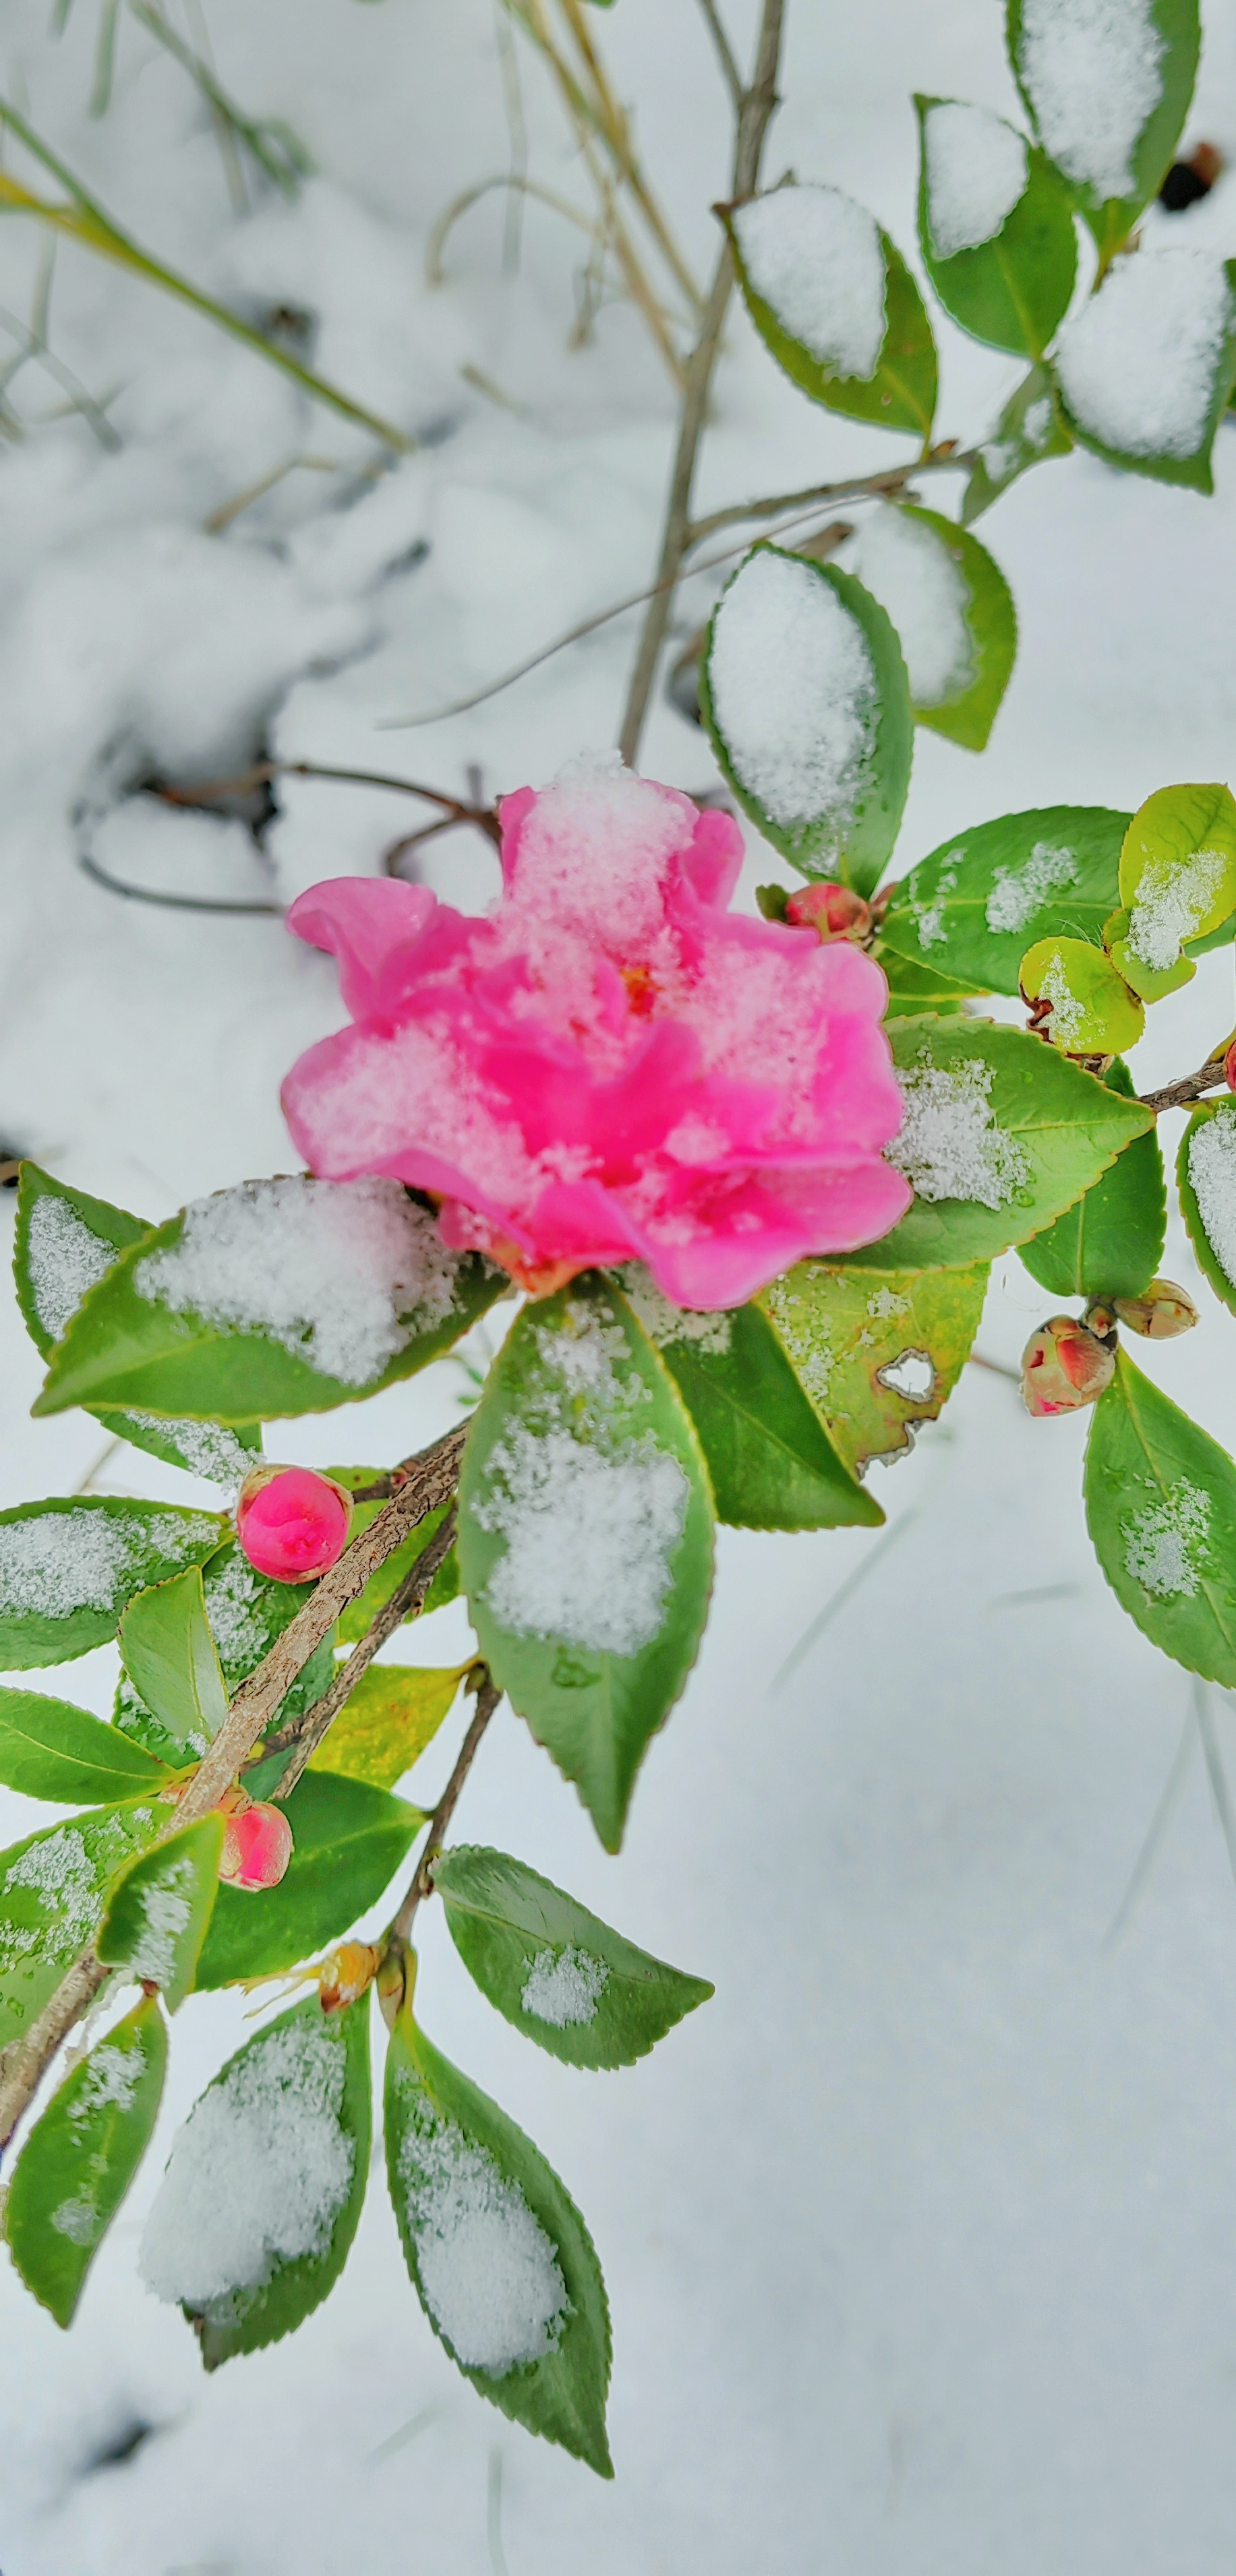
x,y
976,171
794,693
566,1988
929,917
110,2082
1091,71
1067,1012
948,1144
1171,904
339,1273
799,1323
489,2273
257,2176
1019,893
1163,1543
167,1903
816,258
209,1449
1212,1172
86,1559
710,1334
908,568
1138,362
65,1261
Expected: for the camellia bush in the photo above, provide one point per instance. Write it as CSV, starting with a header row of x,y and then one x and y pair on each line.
x,y
746,1175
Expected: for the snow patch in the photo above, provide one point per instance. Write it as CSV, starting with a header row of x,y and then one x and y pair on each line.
x,y
209,1449
86,1559
166,1906
1212,1173
976,172
794,694
1139,361
65,1260
1067,1012
817,260
1171,904
907,567
1092,72
1020,892
1162,1543
564,1988
948,1144
709,1334
489,2272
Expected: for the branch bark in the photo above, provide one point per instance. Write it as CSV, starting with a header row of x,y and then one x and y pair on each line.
x,y
863,487
407,1598
487,1698
1210,1076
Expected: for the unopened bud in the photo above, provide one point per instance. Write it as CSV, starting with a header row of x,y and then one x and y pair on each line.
x,y
348,1972
1064,1365
1229,1066
292,1523
1161,1311
257,1846
830,910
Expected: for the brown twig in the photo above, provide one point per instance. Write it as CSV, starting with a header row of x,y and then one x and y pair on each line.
x,y
1176,1095
875,487
208,790
407,1598
487,1698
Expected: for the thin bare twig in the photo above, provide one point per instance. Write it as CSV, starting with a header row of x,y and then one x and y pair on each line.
x,y
874,487
725,51
487,1698
206,791
169,902
407,1598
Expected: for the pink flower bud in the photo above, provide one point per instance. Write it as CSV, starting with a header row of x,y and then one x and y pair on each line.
x,y
832,910
1229,1066
1064,1366
291,1522
1162,1311
257,1846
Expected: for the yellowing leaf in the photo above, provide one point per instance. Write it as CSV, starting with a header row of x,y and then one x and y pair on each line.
x,y
1178,871
1091,1010
876,1352
393,1713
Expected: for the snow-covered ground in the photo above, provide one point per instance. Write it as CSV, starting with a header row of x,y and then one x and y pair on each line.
x,y
920,2238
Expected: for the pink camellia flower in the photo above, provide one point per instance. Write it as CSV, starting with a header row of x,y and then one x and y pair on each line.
x,y
292,1523
257,1846
608,1065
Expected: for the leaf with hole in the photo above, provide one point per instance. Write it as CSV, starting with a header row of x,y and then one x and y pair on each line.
x,y
68,1567
81,2156
865,347
53,1888
876,1354
348,1841
585,1537
1110,1242
1161,1509
477,2205
1012,286
49,1749
971,909
393,1713
160,1907
1206,1178
1108,98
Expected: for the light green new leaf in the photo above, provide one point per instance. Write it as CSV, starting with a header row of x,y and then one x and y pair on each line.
x,y
1161,1508
65,1242
53,1887
81,2156
558,1973
1013,288
905,550
1079,87
778,239
1091,1010
68,1567
585,1537
971,909
160,1907
49,1749
303,2090
770,1464
393,1713
1030,428
130,1344
797,650
1001,1134
1177,882
1110,1242
358,1619
171,1659
876,1354
543,2353
348,1841
1206,1177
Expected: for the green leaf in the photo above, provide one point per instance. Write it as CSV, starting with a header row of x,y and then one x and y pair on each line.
x,y
1091,1010
170,1657
286,2129
1030,428
770,1464
913,989
555,1970
1177,874
349,1840
1012,289
585,1537
65,1243
876,1355
777,241
393,1713
766,713
130,1344
1161,1508
970,910
68,1567
247,1612
904,552
1110,1242
52,1892
1133,307
49,1749
996,1111
358,1619
1153,984
1206,1177
1071,114
159,1909
81,2156
473,2198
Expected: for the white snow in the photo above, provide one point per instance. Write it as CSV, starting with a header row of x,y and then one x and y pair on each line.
x,y
209,1449
907,566
111,2080
564,1987
83,1559
948,1144
802,1324
339,1273
794,693
1171,904
1019,893
816,259
65,1260
489,2272
709,1334
1212,1171
1139,360
59,1871
1165,1541
166,1906
1092,72
257,2175
1067,1010
976,172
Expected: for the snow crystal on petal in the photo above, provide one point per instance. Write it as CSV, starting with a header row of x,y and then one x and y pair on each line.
x,y
976,172
817,259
